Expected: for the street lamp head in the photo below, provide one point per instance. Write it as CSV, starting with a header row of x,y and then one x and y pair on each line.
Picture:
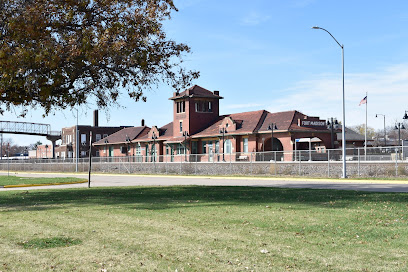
x,y
272,126
376,115
402,126
405,116
315,27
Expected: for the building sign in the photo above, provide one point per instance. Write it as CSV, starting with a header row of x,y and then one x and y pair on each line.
x,y
312,123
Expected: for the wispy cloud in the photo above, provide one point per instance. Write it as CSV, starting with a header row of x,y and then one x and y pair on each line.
x,y
254,18
322,96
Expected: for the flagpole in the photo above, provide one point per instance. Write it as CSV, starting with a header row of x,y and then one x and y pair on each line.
x,y
365,136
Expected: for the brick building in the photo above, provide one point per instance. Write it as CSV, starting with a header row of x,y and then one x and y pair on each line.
x,y
69,141
199,133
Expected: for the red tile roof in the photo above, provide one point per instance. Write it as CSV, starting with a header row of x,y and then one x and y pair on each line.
x,y
166,132
121,135
256,121
247,122
196,91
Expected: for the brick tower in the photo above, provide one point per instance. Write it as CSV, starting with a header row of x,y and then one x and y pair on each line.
x,y
194,109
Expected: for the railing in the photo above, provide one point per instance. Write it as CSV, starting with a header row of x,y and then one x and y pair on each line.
x,y
377,162
24,128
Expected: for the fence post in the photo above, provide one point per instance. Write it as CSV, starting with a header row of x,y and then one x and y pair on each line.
x,y
328,163
275,163
251,161
300,159
396,161
358,154
230,163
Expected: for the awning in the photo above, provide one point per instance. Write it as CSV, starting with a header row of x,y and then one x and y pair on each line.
x,y
308,140
176,140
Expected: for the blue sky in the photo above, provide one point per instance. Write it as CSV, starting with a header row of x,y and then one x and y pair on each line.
x,y
263,54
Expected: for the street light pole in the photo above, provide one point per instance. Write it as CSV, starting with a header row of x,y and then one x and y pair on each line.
x,y
185,134
271,127
331,125
399,126
127,147
106,149
76,143
385,133
343,133
154,137
223,130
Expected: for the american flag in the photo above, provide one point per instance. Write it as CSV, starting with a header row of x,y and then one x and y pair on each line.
x,y
363,101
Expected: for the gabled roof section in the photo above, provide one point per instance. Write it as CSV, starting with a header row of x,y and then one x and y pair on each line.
x,y
351,135
245,123
288,121
165,133
196,91
282,120
122,135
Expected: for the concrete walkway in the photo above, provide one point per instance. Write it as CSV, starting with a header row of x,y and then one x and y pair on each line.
x,y
111,180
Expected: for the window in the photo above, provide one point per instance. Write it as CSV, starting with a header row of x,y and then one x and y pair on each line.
x,y
68,139
138,150
97,153
180,149
217,147
98,137
245,140
83,138
181,126
227,146
194,147
181,106
203,106
204,147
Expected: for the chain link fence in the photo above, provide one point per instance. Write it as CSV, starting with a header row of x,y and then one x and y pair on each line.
x,y
370,162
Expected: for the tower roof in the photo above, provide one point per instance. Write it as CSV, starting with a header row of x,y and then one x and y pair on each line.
x,y
196,91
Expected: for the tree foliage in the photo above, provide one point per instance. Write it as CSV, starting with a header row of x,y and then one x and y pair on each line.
x,y
360,129
61,53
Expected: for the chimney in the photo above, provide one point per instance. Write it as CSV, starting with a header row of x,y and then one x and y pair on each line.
x,y
95,118
217,93
143,123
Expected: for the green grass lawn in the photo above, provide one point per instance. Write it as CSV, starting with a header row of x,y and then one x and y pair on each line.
x,y
194,228
13,180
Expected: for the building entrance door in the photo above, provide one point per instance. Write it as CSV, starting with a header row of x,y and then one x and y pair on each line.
x,y
110,151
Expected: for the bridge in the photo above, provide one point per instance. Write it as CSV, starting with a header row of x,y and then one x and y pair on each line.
x,y
31,129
